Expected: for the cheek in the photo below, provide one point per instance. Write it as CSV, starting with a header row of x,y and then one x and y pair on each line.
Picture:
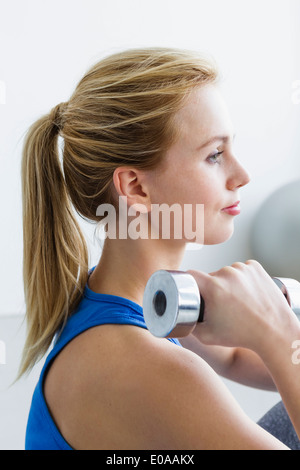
x,y
185,184
206,193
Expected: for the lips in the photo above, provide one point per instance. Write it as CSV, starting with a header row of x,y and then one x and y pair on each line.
x,y
233,205
233,210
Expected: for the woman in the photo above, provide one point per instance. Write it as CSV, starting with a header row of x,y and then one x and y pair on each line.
x,y
149,127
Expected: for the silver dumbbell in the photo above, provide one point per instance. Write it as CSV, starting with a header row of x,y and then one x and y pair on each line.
x,y
173,305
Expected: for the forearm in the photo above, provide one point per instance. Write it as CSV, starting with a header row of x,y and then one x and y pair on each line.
x,y
249,369
237,364
286,374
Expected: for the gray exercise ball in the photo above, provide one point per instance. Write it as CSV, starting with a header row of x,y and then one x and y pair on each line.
x,y
275,237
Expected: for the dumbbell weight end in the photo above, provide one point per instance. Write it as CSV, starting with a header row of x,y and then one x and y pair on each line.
x,y
172,304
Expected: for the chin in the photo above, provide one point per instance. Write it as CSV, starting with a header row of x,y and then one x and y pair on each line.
x,y
218,238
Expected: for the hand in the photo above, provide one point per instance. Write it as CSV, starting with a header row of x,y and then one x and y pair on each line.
x,y
243,307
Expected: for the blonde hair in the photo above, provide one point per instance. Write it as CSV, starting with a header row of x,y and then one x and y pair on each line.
x,y
121,113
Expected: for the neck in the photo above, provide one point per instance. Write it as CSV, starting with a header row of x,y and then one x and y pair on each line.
x,y
126,265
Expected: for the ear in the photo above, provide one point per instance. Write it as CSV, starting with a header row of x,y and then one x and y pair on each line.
x,y
131,183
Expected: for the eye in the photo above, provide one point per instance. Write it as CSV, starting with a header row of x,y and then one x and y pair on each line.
x,y
215,158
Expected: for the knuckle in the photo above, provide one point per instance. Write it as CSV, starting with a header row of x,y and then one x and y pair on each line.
x,y
225,271
238,265
254,264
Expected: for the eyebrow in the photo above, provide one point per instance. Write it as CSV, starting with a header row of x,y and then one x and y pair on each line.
x,y
222,138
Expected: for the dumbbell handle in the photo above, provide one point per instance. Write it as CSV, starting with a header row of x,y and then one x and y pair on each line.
x,y
173,304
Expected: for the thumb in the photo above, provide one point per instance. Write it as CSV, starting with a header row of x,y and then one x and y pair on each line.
x,y
203,328
202,280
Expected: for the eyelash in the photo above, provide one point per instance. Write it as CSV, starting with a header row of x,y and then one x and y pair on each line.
x,y
215,155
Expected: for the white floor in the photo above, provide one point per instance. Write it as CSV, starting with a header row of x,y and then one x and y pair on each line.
x,y
15,398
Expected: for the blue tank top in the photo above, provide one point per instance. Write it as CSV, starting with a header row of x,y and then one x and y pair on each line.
x,y
93,310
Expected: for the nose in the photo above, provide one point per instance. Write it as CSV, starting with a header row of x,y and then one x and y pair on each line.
x,y
238,176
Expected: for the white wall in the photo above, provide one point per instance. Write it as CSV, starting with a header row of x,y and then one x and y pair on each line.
x,y
45,49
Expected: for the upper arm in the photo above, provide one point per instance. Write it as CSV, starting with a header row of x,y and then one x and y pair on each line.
x,y
118,387
189,407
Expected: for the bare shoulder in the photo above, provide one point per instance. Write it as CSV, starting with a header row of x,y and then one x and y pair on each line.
x,y
118,387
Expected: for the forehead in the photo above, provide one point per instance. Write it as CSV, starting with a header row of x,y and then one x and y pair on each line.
x,y
204,115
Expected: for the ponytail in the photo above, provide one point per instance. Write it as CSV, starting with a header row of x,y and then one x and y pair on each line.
x,y
55,255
